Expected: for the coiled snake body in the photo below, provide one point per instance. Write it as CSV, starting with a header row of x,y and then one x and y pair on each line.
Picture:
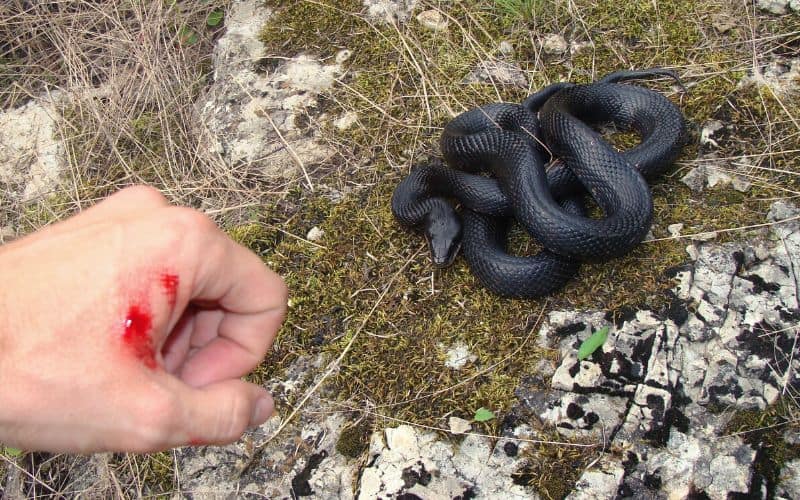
x,y
511,141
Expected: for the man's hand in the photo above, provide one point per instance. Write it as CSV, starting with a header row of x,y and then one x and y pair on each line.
x,y
128,327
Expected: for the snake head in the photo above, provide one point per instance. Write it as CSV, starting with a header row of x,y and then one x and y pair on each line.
x,y
443,232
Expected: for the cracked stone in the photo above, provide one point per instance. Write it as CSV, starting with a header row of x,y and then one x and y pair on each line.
x,y
250,117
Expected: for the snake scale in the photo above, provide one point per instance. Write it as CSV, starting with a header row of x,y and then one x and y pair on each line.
x,y
515,143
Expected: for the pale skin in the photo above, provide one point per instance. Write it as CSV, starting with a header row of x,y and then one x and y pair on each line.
x,y
68,380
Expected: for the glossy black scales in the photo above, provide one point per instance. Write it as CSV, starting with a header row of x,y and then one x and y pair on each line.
x,y
514,142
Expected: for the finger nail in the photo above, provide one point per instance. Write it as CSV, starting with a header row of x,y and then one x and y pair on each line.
x,y
262,411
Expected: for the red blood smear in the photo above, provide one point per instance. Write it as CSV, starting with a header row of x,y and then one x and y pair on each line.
x,y
170,283
138,324
197,442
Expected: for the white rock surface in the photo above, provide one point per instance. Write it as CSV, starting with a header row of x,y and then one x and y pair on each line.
x,y
458,355
779,7
390,10
789,483
725,341
411,461
251,118
32,157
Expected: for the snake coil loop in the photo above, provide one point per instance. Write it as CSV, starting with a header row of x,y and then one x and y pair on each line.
x,y
510,141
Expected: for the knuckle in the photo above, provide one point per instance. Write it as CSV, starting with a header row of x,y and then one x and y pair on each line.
x,y
157,421
189,223
144,195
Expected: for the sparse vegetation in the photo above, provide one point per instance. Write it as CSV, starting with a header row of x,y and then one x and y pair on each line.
x,y
764,430
367,286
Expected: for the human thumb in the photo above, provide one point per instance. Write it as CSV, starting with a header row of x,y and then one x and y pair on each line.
x,y
220,413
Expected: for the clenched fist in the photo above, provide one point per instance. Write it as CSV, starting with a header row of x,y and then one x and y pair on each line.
x,y
128,327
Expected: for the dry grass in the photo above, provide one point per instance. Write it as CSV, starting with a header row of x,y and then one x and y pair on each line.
x,y
133,79
131,73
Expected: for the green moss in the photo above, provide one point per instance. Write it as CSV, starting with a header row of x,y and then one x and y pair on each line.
x,y
354,439
552,471
370,279
157,472
403,85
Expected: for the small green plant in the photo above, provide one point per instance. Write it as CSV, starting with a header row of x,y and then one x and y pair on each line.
x,y
187,36
11,452
592,343
520,9
483,415
215,17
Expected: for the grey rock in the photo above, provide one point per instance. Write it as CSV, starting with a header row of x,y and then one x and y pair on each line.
x,y
390,10
497,73
789,482
774,6
315,234
708,132
505,48
433,20
458,355
459,425
554,44
695,179
602,481
581,415
250,118
303,460
716,467
740,184
406,460
781,75
675,229
7,233
716,176
792,436
731,348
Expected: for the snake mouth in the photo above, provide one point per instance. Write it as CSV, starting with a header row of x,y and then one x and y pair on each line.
x,y
443,254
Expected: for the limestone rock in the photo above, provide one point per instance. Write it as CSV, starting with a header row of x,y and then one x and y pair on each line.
x,y
458,355
251,118
554,44
31,155
497,73
695,179
407,461
778,7
390,10
789,483
433,20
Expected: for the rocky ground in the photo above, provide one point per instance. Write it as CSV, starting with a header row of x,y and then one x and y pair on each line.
x,y
652,414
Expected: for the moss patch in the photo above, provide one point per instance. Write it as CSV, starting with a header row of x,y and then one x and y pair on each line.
x,y
404,83
370,279
552,471
354,439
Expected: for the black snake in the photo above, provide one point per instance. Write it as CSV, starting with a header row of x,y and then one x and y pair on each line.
x,y
511,141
